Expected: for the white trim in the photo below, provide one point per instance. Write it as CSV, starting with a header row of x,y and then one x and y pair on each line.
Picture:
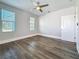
x,y
31,35
18,38
50,36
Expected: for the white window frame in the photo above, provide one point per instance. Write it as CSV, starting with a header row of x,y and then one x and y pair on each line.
x,y
32,24
7,22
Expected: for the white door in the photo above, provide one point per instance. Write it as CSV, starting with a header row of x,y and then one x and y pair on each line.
x,y
68,28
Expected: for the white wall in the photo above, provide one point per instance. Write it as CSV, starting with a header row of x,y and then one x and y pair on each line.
x,y
50,24
22,23
77,19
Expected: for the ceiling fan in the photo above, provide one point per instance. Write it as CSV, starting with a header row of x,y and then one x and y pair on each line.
x,y
39,7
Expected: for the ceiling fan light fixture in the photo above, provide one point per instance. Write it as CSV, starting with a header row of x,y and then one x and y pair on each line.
x,y
38,8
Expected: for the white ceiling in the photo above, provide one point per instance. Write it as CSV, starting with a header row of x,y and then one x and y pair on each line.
x,y
28,5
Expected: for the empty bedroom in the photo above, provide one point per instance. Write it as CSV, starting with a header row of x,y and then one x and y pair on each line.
x,y
39,29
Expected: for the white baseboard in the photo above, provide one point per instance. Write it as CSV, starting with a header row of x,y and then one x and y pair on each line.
x,y
18,38
50,36
31,35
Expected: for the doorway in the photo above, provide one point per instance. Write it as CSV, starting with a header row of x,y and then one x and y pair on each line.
x,y
68,28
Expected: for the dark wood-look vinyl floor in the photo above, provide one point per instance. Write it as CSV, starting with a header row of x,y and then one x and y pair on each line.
x,y
38,47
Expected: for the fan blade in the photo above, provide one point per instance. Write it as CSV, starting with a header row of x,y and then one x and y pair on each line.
x,y
43,5
40,10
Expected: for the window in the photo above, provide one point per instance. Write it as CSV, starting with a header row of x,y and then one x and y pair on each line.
x,y
7,20
32,23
